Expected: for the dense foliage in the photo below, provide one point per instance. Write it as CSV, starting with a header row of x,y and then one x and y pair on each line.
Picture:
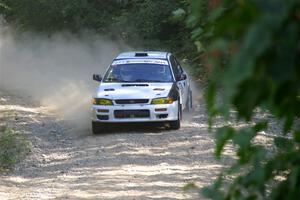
x,y
253,48
142,24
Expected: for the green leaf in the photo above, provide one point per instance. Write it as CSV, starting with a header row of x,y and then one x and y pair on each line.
x,y
209,192
179,13
284,144
210,96
197,33
200,46
244,137
260,154
288,124
216,13
260,126
220,44
297,136
256,177
222,136
243,140
294,177
213,191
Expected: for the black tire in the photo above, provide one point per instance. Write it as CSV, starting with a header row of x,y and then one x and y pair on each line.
x,y
189,102
97,127
175,125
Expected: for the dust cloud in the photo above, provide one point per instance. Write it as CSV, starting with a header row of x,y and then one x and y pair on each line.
x,y
55,70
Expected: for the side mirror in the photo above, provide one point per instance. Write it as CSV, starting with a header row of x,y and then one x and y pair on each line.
x,y
181,77
97,77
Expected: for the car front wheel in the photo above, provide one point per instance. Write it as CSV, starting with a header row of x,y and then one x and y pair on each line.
x,y
175,125
189,102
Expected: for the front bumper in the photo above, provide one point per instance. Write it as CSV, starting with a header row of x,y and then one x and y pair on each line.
x,y
155,113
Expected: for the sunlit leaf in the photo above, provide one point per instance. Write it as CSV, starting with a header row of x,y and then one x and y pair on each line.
x,y
179,14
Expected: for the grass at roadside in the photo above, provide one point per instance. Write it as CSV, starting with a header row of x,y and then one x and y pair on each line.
x,y
13,148
14,145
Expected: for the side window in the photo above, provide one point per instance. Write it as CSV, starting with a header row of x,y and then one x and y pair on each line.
x,y
179,67
174,66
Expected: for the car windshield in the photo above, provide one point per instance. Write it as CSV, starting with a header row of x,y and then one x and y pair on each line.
x,y
138,72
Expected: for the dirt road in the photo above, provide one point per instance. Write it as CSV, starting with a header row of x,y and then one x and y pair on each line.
x,y
127,163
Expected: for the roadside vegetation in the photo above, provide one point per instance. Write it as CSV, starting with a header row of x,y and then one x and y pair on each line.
x,y
13,148
252,49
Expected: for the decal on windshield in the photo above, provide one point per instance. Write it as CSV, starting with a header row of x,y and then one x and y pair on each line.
x,y
135,61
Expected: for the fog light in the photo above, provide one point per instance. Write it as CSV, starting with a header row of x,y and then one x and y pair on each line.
x,y
103,117
162,116
102,110
160,109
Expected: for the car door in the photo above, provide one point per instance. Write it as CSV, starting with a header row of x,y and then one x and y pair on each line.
x,y
181,81
185,84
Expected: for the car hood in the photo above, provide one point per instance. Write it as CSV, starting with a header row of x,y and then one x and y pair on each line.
x,y
133,90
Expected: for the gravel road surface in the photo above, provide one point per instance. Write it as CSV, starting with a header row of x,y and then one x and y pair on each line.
x,y
129,162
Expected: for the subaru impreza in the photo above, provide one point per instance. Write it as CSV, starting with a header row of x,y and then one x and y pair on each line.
x,y
141,87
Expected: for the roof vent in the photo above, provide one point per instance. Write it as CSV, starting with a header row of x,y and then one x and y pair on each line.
x,y
141,54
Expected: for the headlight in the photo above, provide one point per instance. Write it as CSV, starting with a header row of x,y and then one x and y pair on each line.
x,y
167,100
106,102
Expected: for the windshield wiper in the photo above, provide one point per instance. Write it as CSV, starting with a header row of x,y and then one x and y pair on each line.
x,y
145,80
116,80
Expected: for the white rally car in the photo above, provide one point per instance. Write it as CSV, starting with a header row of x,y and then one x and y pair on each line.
x,y
141,87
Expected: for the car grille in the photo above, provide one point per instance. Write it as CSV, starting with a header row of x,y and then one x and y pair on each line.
x,y
123,114
131,101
